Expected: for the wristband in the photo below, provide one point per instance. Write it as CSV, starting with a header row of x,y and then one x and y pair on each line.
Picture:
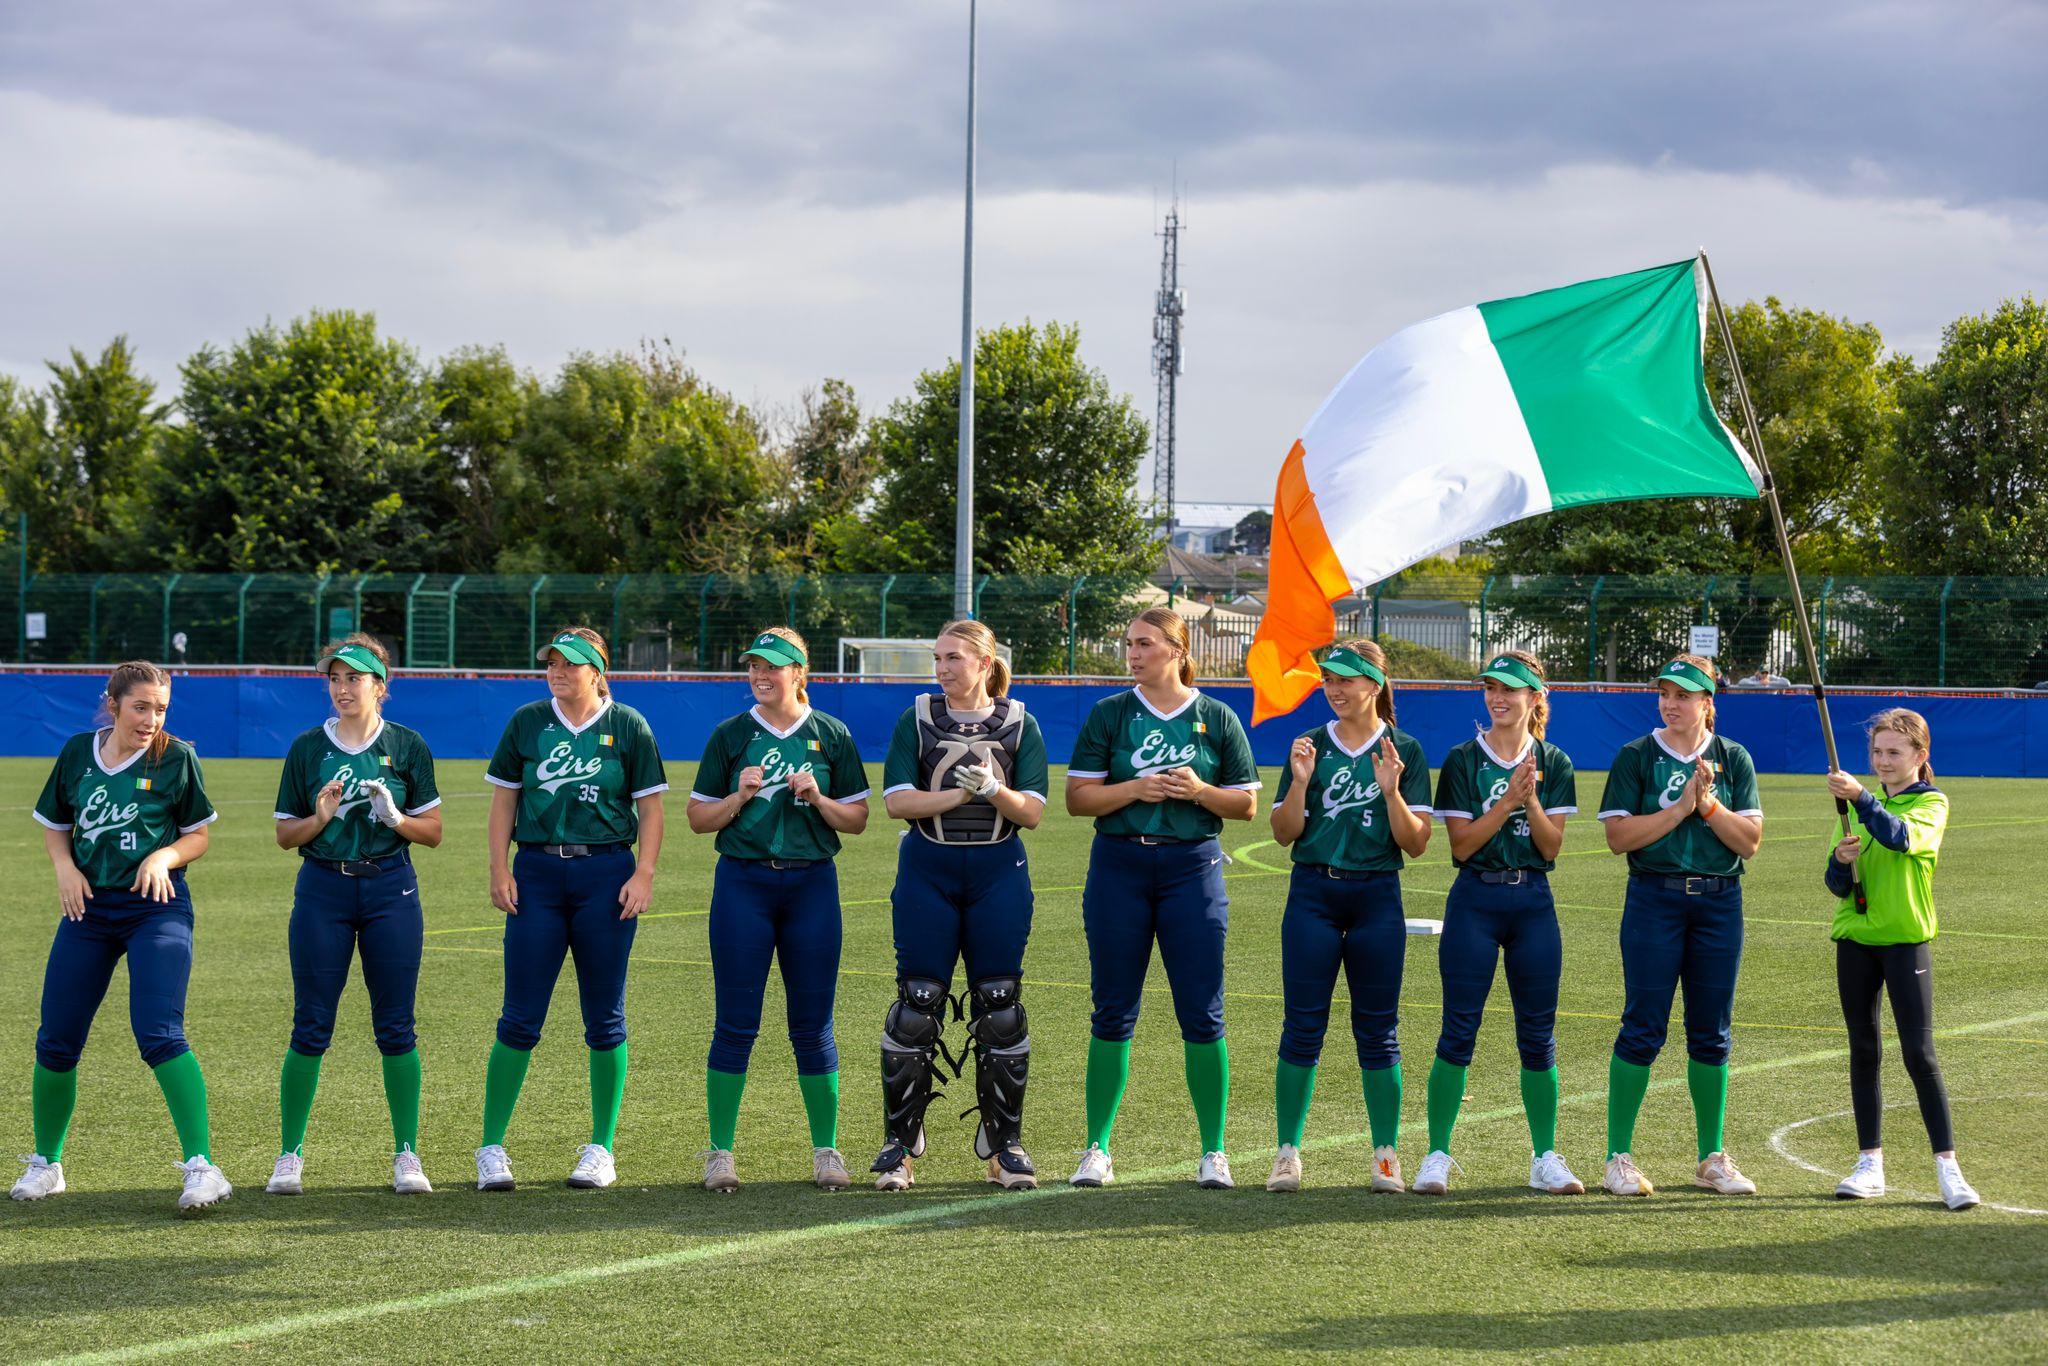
x,y
1708,808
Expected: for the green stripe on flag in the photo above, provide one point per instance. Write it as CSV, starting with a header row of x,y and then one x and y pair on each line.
x,y
1610,381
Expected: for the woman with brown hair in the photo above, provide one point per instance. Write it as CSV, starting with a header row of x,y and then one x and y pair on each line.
x,y
123,815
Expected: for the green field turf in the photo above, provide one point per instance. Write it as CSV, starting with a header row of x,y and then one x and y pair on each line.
x,y
954,1270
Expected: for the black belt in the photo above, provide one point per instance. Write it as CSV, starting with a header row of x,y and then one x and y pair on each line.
x,y
1691,886
363,867
570,850
1508,877
1155,839
787,865
1346,874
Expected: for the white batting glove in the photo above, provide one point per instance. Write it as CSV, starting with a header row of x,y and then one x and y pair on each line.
x,y
981,780
383,807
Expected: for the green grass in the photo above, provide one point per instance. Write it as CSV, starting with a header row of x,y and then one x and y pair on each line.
x,y
956,1270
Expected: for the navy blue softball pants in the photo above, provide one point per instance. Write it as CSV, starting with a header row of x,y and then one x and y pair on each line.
x,y
955,901
568,907
333,918
156,937
1354,924
762,914
1516,923
1171,894
1669,938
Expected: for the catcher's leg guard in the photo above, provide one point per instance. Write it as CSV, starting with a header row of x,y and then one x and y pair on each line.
x,y
911,1038
1002,1057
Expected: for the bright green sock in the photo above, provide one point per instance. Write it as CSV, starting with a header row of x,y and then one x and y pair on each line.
x,y
402,1098
1208,1069
1446,1095
1293,1088
1626,1084
53,1096
296,1084
1383,1105
607,1093
821,1107
1109,1071
503,1076
184,1087
722,1091
1708,1084
1539,1103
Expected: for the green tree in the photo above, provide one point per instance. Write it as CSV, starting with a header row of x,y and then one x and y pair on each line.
x,y
1253,534
821,471
307,448
482,402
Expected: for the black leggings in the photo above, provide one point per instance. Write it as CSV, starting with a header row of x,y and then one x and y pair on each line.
x,y
1865,972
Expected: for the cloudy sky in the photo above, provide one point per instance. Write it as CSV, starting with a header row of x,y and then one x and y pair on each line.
x,y
776,186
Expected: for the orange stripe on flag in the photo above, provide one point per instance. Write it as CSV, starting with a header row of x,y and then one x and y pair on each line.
x,y
1304,578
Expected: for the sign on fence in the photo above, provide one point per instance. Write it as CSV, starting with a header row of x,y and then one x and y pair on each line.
x,y
1706,640
36,625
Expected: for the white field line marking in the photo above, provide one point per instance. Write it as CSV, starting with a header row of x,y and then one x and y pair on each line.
x,y
1778,1146
846,1228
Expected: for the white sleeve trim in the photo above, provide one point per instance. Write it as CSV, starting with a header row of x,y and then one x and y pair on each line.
x,y
1560,811
1423,810
495,781
422,810
650,791
1038,797
697,796
1235,787
852,797
1752,811
1085,773
1610,815
47,823
211,817
1447,813
899,787
286,816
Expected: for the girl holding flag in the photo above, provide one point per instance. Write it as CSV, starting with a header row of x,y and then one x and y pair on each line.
x,y
1353,799
123,814
578,779
356,794
1682,803
1503,797
1160,768
779,784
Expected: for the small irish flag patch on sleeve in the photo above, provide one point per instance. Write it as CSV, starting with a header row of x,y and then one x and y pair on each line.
x,y
814,745
142,785
604,739
1201,727
384,760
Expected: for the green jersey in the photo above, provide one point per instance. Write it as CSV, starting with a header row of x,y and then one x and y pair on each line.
x,y
1898,883
1474,779
1648,776
119,816
1346,825
774,824
395,756
1126,737
577,784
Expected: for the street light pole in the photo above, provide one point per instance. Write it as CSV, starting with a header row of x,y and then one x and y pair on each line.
x,y
963,516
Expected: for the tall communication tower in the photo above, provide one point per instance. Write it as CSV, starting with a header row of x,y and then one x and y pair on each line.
x,y
1167,363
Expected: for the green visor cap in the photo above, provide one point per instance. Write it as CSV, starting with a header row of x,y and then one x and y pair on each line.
x,y
775,650
573,648
357,658
1350,664
1690,677
1512,672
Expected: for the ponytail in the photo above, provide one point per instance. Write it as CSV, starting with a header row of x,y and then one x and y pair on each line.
x,y
1539,706
1174,627
1370,651
977,637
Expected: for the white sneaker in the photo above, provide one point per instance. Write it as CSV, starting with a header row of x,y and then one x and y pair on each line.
x,y
1094,1169
1549,1174
828,1169
1718,1174
1434,1178
896,1178
719,1172
1215,1173
288,1176
205,1186
408,1177
493,1168
1386,1172
39,1177
1012,1169
1866,1182
594,1169
1286,1169
1623,1179
1956,1193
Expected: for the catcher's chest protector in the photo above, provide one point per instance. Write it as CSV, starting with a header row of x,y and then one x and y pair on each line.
x,y
945,744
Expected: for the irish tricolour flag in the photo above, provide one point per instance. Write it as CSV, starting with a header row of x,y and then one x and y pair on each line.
x,y
1593,393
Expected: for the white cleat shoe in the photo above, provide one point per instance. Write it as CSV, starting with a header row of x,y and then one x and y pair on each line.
x,y
493,1169
1215,1173
594,1169
1623,1179
1012,1169
828,1169
1434,1177
1386,1172
205,1186
1094,1170
1718,1174
1866,1182
1286,1169
720,1174
39,1177
288,1177
408,1177
1549,1174
896,1178
1956,1193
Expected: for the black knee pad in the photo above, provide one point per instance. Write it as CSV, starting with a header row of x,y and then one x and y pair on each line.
x,y
917,1018
998,1022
